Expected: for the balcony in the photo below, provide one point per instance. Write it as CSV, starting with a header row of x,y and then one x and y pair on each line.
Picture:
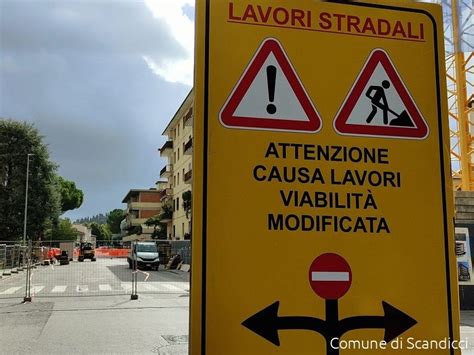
x,y
188,118
141,205
188,177
165,194
188,147
166,220
134,221
167,149
166,171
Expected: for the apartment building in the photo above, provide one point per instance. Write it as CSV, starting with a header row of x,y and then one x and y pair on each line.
x,y
176,175
141,205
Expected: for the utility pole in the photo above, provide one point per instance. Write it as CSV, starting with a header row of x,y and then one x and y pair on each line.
x,y
26,196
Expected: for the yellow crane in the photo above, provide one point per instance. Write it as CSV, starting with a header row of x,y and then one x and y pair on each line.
x,y
459,43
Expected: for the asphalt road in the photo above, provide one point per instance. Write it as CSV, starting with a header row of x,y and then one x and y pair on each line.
x,y
61,320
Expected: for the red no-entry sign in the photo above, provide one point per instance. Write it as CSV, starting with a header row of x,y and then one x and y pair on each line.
x,y
330,276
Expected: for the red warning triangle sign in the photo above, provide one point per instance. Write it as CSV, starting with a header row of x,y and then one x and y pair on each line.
x,y
379,104
270,96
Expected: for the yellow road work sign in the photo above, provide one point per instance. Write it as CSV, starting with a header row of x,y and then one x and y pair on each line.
x,y
322,207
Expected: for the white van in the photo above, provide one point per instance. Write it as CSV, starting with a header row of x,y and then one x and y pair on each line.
x,y
145,254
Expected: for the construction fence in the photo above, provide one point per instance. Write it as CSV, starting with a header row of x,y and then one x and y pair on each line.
x,y
69,269
13,258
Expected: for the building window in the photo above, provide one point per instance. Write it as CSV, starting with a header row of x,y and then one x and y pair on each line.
x,y
178,178
183,174
177,204
178,128
174,161
174,180
182,229
174,231
178,153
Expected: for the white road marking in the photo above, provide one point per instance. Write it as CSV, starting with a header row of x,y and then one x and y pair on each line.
x,y
172,287
159,287
59,289
36,289
329,276
10,290
105,287
148,287
82,288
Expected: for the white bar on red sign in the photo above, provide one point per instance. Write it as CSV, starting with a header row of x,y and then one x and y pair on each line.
x,y
329,276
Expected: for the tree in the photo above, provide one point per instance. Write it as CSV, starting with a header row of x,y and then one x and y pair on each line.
x,y
99,218
63,230
187,203
17,140
114,218
159,229
101,231
71,196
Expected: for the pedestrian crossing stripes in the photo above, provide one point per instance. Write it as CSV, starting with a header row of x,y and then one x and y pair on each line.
x,y
36,289
82,288
171,287
10,290
59,289
105,287
143,287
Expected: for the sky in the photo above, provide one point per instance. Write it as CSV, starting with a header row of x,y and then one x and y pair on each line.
x,y
100,79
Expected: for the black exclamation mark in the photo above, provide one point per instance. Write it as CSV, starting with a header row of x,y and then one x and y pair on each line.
x,y
271,81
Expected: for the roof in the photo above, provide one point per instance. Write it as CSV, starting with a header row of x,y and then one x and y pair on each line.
x,y
135,192
179,113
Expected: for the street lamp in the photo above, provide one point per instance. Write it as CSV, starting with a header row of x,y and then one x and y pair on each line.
x,y
26,195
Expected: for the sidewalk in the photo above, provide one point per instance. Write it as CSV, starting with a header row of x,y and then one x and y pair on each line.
x,y
149,325
467,331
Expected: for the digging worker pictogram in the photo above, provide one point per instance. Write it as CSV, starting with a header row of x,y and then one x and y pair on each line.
x,y
377,97
376,94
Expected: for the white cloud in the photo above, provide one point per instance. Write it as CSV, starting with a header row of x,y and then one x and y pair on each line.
x,y
182,29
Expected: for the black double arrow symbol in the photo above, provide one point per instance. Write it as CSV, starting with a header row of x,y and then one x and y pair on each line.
x,y
267,323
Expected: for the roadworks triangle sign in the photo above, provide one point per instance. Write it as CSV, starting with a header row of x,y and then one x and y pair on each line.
x,y
270,96
379,104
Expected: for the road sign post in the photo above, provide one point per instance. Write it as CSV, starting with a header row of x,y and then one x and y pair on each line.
x,y
320,129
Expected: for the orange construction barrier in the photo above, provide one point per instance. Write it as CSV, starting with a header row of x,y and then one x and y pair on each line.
x,y
118,253
104,252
